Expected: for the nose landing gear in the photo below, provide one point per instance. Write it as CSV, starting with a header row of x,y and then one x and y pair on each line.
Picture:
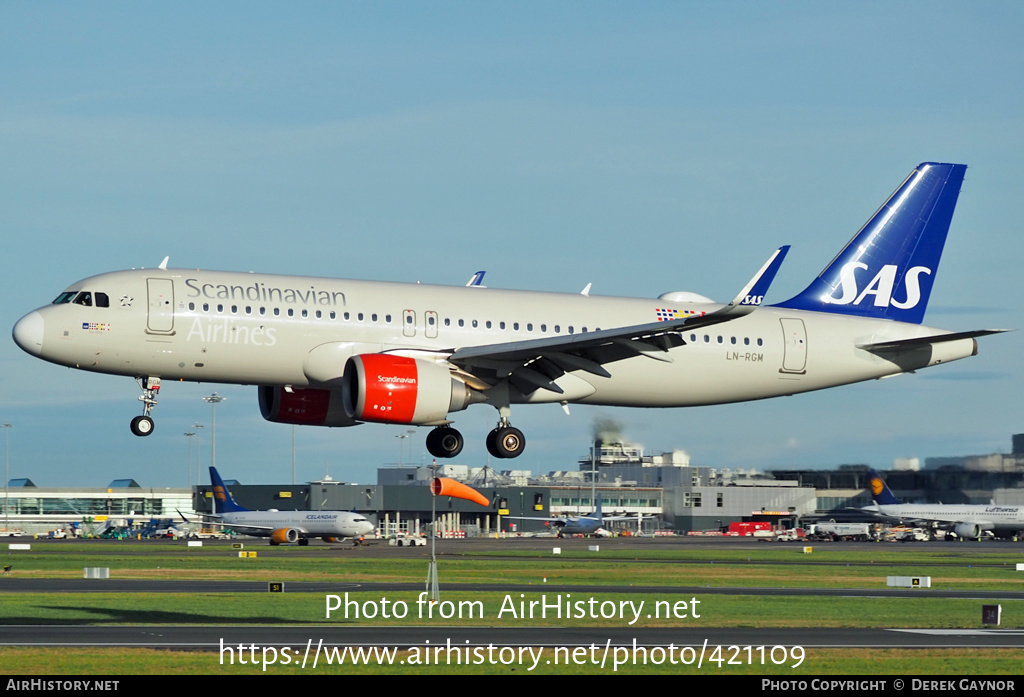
x,y
143,425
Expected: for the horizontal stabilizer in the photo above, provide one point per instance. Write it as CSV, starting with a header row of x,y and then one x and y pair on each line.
x,y
925,340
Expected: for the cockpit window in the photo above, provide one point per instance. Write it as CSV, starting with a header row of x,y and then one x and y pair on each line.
x,y
84,298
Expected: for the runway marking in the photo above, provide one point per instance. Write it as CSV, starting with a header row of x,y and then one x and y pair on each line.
x,y
963,632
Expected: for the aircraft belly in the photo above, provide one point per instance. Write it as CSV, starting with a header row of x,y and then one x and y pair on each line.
x,y
699,378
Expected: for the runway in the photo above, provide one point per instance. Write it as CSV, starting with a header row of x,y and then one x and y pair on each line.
x,y
24,585
216,637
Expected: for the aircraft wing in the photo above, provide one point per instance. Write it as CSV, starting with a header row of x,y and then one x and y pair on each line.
x,y
553,521
609,518
206,519
537,363
202,517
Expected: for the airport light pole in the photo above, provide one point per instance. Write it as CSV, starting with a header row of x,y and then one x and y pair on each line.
x,y
199,452
213,400
189,436
401,446
7,476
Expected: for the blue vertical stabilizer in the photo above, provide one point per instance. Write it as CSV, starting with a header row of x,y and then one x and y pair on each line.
x,y
888,268
880,492
221,496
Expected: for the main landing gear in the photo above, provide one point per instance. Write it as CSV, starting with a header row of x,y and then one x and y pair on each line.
x,y
503,442
143,425
444,441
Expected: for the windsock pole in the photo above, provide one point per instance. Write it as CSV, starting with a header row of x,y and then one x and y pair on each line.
x,y
433,587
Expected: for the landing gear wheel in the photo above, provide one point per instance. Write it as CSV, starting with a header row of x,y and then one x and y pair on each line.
x,y
444,441
142,425
506,442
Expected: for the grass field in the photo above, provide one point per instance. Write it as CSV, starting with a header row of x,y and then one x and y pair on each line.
x,y
959,567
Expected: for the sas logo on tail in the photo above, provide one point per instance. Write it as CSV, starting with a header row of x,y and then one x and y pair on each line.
x,y
881,286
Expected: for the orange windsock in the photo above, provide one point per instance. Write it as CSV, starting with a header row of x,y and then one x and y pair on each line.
x,y
443,486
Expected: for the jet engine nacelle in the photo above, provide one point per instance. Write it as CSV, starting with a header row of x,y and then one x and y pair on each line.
x,y
971,531
284,536
401,390
303,406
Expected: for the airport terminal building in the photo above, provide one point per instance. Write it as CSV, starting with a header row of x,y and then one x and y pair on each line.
x,y
124,503
660,493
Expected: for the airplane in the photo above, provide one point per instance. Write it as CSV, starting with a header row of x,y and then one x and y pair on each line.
x,y
590,524
284,526
966,520
336,353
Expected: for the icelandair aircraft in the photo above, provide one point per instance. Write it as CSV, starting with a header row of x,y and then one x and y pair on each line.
x,y
285,526
329,352
966,520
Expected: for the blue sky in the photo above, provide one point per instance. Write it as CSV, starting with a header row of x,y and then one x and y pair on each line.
x,y
643,147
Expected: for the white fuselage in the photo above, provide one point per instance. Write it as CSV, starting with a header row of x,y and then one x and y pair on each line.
x,y
990,517
308,523
245,328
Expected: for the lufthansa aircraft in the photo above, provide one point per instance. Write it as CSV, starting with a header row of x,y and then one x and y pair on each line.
x,y
329,352
284,526
965,519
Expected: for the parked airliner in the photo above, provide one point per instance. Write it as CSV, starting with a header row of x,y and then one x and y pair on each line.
x,y
965,519
284,526
331,352
590,524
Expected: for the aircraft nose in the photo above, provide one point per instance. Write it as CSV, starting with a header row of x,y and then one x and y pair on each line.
x,y
28,333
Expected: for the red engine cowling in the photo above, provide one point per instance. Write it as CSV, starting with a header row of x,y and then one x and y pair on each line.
x,y
284,536
399,390
303,406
